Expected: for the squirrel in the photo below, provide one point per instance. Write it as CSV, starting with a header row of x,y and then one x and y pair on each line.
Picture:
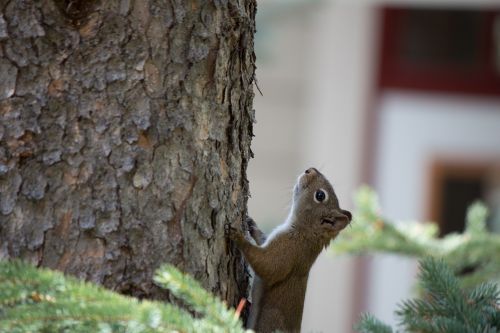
x,y
282,261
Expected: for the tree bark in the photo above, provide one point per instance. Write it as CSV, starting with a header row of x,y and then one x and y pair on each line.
x,y
125,131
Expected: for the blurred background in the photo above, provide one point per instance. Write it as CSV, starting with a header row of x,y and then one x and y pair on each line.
x,y
401,95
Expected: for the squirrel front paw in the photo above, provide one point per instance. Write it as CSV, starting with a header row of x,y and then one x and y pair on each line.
x,y
254,231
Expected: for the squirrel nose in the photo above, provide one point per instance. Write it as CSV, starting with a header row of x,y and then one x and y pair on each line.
x,y
311,170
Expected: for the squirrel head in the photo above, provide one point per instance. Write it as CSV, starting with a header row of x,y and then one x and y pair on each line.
x,y
315,207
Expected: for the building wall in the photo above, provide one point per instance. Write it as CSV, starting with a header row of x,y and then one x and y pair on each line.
x,y
316,62
416,128
313,75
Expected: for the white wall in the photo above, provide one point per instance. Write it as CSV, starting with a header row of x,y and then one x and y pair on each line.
x,y
315,66
415,129
338,86
314,74
280,73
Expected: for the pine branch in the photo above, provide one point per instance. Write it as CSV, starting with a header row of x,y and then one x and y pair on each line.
x,y
186,288
370,324
470,253
40,300
444,306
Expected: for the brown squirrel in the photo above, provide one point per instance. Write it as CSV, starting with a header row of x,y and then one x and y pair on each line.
x,y
282,261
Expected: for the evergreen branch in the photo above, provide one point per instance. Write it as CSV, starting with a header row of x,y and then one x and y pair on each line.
x,y
370,324
444,306
458,290
40,300
203,302
468,254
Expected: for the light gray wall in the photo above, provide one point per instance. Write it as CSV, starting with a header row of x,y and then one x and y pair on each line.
x,y
414,130
314,66
316,61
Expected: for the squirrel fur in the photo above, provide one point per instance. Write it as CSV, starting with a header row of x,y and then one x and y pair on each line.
x,y
282,261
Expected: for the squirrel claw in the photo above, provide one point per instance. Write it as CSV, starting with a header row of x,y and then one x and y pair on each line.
x,y
231,232
228,230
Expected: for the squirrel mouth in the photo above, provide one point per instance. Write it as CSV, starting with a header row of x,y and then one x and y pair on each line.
x,y
328,221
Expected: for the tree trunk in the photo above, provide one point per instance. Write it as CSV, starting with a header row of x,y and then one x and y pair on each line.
x,y
125,131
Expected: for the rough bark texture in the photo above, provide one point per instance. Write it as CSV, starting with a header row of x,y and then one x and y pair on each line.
x,y
125,131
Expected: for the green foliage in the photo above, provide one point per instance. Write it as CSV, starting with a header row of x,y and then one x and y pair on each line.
x,y
444,307
475,251
467,303
40,300
216,313
370,324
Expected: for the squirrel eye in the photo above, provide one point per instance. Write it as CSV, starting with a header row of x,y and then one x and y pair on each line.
x,y
320,196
